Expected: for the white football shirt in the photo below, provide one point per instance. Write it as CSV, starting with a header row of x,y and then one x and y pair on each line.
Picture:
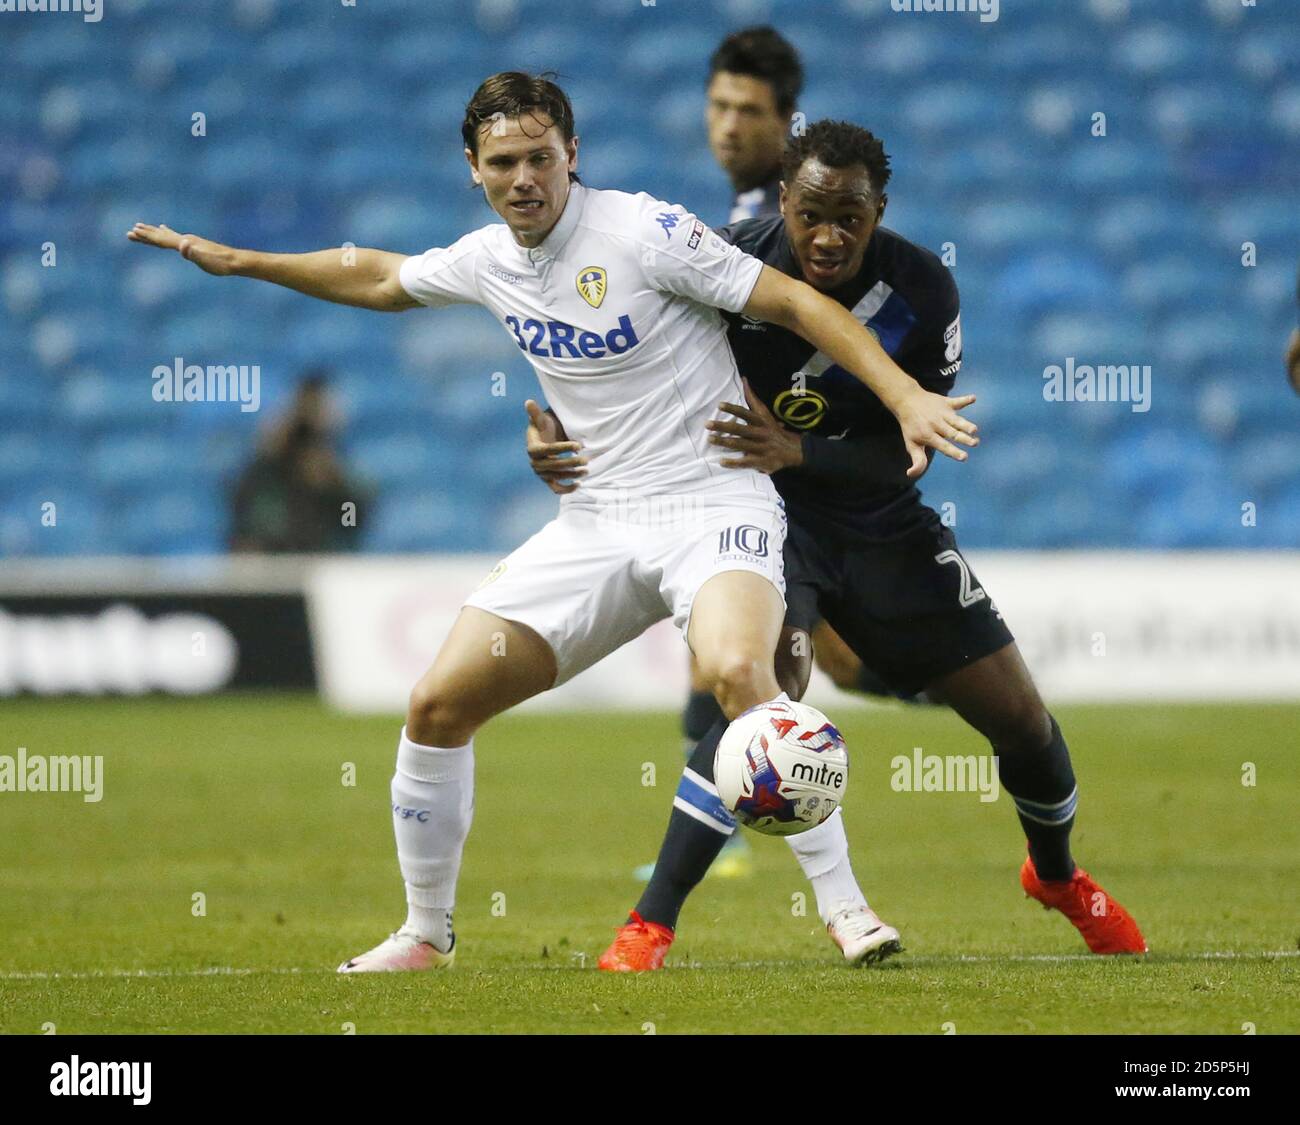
x,y
617,312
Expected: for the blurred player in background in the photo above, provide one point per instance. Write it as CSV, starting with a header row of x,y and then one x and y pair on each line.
x,y
290,498
863,551
755,79
614,299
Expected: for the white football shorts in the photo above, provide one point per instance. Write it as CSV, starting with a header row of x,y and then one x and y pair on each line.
x,y
601,573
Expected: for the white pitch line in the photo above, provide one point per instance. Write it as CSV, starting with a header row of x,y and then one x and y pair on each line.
x,y
906,960
129,974
1212,955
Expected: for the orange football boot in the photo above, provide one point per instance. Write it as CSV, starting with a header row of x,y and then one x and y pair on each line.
x,y
1105,925
639,947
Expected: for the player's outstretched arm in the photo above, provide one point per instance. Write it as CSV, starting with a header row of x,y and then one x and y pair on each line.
x,y
926,419
365,278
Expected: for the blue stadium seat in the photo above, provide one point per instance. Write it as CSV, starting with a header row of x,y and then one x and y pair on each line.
x,y
1008,221
58,517
1122,249
1266,462
1197,512
25,401
1040,282
174,522
405,458
1163,283
1165,50
417,518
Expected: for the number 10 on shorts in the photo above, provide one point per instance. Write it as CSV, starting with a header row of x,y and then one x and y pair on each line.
x,y
745,538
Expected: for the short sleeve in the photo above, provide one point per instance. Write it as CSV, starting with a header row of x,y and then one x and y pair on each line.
x,y
443,275
682,256
932,354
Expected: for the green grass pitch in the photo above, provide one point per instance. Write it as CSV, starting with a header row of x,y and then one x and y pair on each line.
x,y
242,800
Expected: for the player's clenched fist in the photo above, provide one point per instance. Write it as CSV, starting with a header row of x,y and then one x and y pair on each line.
x,y
213,257
553,458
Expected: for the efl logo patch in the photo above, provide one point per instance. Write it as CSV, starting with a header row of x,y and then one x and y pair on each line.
x,y
952,341
697,232
592,283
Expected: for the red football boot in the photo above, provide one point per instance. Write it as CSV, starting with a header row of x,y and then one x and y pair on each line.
x,y
639,947
1105,925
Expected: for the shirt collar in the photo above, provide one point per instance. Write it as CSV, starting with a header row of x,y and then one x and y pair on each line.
x,y
554,242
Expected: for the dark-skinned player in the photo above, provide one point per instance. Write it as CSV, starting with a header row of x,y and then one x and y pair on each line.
x,y
863,551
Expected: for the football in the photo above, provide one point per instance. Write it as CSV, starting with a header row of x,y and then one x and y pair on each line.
x,y
781,768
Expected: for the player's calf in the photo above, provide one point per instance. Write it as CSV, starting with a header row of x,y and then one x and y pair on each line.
x,y
996,695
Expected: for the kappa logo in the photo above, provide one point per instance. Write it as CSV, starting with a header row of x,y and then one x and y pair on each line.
x,y
668,221
508,278
592,282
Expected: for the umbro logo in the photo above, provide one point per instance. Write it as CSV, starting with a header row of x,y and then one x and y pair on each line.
x,y
753,324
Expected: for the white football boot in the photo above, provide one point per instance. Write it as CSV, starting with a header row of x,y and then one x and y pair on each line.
x,y
400,952
862,937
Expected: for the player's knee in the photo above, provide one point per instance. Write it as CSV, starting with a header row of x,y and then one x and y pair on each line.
x,y
740,680
435,718
1021,727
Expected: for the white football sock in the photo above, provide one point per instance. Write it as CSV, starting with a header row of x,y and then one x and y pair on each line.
x,y
823,853
433,804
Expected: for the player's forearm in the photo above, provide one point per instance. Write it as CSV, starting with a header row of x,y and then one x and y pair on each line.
x,y
836,332
364,278
878,463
